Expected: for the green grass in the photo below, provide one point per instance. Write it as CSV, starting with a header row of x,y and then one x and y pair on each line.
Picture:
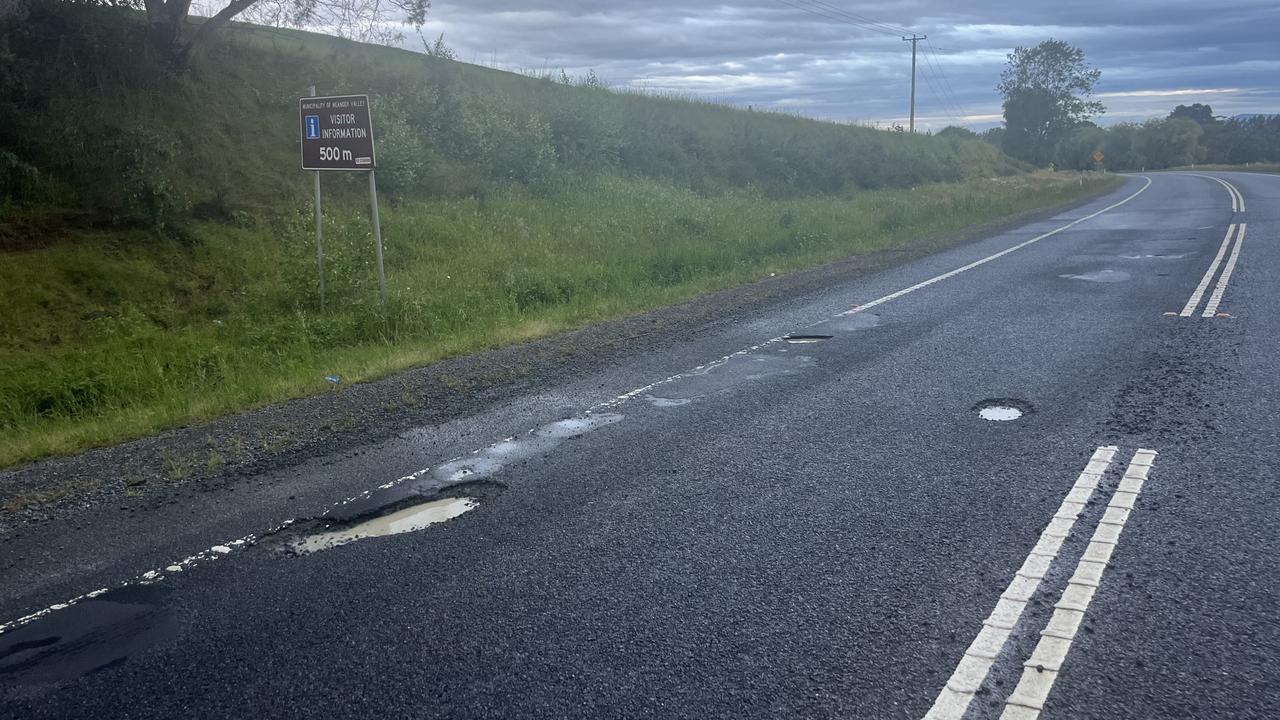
x,y
1269,168
118,336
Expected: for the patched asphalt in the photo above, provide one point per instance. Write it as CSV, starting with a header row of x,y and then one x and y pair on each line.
x,y
812,529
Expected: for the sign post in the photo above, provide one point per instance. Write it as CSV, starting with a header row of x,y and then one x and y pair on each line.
x,y
337,134
377,238
1098,157
319,221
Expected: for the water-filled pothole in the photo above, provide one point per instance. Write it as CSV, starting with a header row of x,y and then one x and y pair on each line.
x,y
1002,409
407,519
800,339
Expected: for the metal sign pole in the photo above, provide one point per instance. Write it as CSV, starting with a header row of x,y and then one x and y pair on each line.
x,y
377,238
319,230
337,134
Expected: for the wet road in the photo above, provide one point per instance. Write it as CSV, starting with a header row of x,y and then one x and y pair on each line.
x,y
756,526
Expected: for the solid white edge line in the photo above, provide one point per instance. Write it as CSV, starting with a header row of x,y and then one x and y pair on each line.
x,y
1190,307
1211,307
954,698
989,258
1041,670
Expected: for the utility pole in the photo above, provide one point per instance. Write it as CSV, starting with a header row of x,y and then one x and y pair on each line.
x,y
913,40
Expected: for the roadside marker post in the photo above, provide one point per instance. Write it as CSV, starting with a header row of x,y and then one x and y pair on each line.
x,y
337,134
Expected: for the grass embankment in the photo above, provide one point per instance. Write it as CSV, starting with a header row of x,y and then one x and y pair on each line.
x,y
156,263
117,337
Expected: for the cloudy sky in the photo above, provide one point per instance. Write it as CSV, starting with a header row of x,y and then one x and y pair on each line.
x,y
844,60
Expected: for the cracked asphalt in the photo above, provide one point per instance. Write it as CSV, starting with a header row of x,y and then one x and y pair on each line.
x,y
808,530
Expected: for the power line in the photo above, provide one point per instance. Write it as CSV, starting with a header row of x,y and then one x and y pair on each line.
x,y
931,51
828,12
947,99
939,96
885,27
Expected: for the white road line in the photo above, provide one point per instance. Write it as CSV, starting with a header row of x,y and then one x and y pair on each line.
x,y
989,258
1237,199
1190,307
1211,308
1042,669
1239,195
972,671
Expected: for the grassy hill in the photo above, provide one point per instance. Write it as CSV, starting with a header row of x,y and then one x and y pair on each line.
x,y
156,247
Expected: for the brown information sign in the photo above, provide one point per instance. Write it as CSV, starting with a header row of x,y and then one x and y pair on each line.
x,y
337,133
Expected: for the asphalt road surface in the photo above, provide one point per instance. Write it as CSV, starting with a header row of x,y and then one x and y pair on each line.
x,y
751,526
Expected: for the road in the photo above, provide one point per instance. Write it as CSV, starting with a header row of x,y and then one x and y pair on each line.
x,y
750,526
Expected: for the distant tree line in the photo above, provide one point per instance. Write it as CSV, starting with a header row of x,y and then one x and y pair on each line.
x,y
1048,120
1190,135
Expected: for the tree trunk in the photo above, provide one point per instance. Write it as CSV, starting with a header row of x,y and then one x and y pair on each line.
x,y
169,27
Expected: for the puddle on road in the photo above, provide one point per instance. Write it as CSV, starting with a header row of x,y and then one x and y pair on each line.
x,y
410,519
1157,256
1000,413
1002,410
389,509
91,635
1103,276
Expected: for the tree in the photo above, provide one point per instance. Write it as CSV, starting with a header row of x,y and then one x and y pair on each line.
x,y
177,37
1075,151
1172,142
1046,92
1199,113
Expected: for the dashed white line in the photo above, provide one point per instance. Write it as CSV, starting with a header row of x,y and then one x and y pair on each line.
x,y
1211,308
1194,300
1041,670
964,683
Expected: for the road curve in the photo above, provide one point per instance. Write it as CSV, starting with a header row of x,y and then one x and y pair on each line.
x,y
804,515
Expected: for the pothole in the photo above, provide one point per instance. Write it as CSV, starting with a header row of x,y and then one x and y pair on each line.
x,y
799,339
1002,409
404,520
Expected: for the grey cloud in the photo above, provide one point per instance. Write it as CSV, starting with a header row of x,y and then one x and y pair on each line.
x,y
767,54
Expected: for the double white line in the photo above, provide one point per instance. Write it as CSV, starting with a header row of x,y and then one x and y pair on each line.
x,y
1027,699
1237,200
1211,308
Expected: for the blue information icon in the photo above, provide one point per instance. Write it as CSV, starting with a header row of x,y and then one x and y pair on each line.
x,y
313,127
